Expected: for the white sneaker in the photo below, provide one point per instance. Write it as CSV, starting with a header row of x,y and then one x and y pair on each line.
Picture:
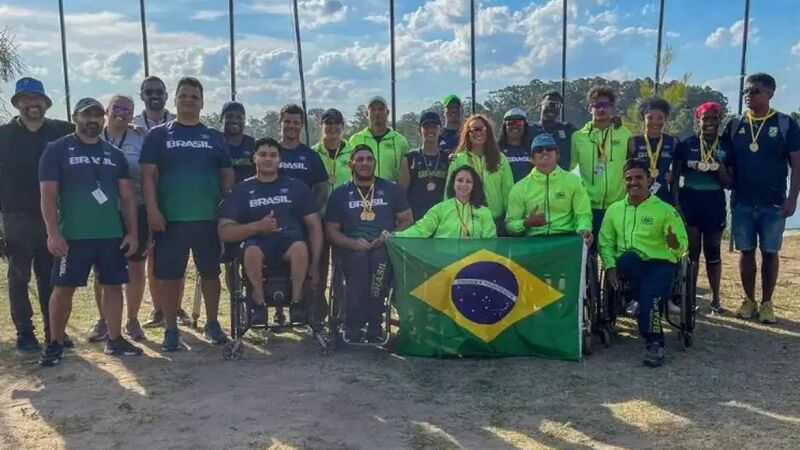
x,y
632,309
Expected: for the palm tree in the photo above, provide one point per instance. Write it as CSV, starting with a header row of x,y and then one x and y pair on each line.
x,y
11,64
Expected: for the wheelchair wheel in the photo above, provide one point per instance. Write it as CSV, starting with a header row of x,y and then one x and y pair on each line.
x,y
605,337
233,351
587,344
685,339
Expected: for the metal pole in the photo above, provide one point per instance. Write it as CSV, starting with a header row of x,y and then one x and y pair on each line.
x,y
564,59
472,49
300,68
144,39
64,57
658,48
744,53
392,50
233,50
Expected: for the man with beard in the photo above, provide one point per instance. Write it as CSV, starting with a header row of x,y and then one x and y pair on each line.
x,y
550,113
84,184
389,146
22,142
186,170
297,159
241,146
153,93
453,116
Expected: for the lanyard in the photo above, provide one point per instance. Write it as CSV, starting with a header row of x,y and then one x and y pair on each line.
x,y
332,159
653,155
366,204
121,141
96,168
459,214
763,120
707,153
435,166
147,121
602,145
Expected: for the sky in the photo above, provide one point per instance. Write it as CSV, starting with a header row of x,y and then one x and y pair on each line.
x,y
345,47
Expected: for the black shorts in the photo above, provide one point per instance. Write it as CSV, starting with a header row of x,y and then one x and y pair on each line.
x,y
274,248
171,249
144,235
83,254
704,210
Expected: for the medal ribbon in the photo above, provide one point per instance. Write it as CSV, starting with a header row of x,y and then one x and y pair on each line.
x,y
602,144
706,153
435,166
459,214
366,204
653,156
763,120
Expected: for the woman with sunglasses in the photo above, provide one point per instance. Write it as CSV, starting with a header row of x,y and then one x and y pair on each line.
x,y
515,141
478,149
120,133
700,160
656,148
463,215
549,200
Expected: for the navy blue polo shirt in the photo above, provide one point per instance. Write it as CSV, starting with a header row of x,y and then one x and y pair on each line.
x,y
448,140
304,164
242,158
664,163
345,207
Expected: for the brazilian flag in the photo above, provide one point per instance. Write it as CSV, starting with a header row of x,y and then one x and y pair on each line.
x,y
489,297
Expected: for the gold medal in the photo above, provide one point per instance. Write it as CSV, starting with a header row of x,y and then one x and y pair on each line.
x,y
653,172
367,216
431,186
713,166
702,166
754,147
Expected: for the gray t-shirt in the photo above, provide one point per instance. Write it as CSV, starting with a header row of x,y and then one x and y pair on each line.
x,y
140,120
131,145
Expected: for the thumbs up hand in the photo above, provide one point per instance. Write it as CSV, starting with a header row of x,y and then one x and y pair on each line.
x,y
672,239
268,224
535,218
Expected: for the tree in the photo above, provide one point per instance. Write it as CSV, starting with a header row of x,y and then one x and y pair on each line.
x,y
796,115
11,64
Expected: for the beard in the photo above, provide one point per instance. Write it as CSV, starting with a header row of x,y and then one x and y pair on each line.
x,y
91,129
32,112
155,104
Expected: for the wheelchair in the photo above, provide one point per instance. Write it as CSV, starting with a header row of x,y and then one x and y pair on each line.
x,y
277,294
682,294
594,310
337,300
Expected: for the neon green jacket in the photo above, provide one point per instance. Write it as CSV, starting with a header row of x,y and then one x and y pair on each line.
x,y
641,228
338,170
496,185
605,186
442,221
559,195
389,153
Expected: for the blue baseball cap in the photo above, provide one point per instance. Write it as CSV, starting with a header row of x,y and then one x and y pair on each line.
x,y
30,85
430,117
232,107
544,140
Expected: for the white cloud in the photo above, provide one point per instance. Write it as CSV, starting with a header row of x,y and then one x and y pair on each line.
x,y
275,64
604,17
123,65
796,49
379,19
732,35
316,13
204,14
649,8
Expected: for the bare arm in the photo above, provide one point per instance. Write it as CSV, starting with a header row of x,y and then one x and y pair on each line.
x,y
790,204
128,201
155,220
631,147
405,177
49,204
403,220
226,179
232,231
320,193
333,230
314,227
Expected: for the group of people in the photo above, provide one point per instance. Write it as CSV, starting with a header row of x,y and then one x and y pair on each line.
x,y
131,195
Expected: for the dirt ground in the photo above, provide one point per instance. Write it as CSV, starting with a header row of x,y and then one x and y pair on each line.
x,y
737,387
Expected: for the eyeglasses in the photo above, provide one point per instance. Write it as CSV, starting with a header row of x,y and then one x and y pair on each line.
x,y
121,109
477,129
537,150
552,105
602,105
152,92
516,122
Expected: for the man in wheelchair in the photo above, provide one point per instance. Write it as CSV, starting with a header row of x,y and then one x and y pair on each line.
x,y
641,240
268,214
357,214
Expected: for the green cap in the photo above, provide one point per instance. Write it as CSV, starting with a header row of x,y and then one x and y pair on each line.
x,y
450,99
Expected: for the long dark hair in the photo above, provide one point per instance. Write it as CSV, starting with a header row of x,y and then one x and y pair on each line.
x,y
476,198
525,139
491,153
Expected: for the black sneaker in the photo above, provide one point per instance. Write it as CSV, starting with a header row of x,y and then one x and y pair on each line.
x,y
154,320
121,347
655,355
27,342
183,318
52,354
66,342
259,315
297,314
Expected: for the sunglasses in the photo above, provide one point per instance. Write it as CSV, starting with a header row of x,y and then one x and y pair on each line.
x,y
121,109
152,92
537,150
516,122
477,129
602,105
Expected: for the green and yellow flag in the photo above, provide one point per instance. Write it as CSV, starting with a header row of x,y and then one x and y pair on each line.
x,y
489,297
